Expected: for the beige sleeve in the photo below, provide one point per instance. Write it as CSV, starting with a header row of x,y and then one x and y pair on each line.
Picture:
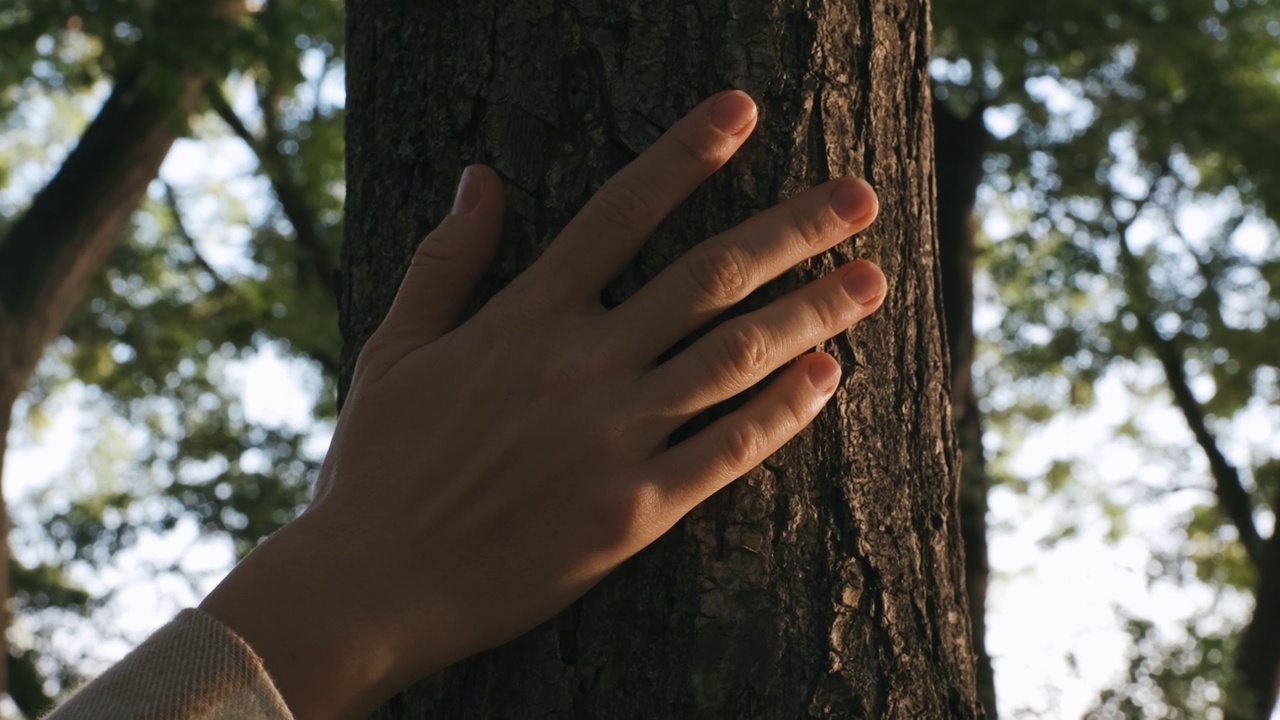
x,y
193,668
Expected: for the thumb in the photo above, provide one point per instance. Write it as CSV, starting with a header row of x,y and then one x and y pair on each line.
x,y
442,277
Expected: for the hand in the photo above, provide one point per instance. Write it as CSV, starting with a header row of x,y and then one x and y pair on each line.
x,y
484,475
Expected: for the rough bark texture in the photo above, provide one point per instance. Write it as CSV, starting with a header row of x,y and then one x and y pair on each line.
x,y
828,582
49,255
960,145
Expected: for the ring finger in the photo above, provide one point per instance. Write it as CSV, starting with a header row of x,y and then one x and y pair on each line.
x,y
741,352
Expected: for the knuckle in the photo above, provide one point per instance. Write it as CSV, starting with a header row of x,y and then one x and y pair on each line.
x,y
829,312
797,411
637,513
370,364
436,250
625,204
493,333
810,230
699,148
745,352
743,442
719,273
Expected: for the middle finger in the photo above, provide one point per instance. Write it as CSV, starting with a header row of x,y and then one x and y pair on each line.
x,y
722,271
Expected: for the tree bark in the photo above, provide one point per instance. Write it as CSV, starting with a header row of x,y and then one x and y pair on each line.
x,y
828,582
959,147
50,253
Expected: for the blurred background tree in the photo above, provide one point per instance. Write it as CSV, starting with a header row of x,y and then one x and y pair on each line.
x,y
1124,246
181,279
1105,175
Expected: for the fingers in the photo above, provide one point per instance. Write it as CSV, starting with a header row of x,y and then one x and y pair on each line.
x,y
599,242
725,269
743,351
692,471
444,271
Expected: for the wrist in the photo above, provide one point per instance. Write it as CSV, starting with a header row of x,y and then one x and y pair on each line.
x,y
296,601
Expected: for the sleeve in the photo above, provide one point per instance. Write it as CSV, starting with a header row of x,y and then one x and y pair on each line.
x,y
194,668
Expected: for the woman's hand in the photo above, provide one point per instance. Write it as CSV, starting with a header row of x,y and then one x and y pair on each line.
x,y
484,475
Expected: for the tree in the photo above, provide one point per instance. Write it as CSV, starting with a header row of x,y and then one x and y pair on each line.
x,y
959,144
1132,70
1112,125
829,581
142,318
50,254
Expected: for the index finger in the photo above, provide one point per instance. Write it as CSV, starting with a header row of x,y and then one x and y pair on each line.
x,y
613,225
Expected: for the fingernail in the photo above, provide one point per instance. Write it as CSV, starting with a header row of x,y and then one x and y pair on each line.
x,y
468,193
864,282
852,200
731,113
824,375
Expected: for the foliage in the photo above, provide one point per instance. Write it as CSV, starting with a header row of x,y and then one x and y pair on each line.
x,y
1140,124
210,277
1126,216
1179,678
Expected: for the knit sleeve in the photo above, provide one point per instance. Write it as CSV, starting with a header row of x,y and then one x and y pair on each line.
x,y
194,668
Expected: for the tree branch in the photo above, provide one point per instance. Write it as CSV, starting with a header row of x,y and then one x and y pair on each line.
x,y
328,363
290,195
1234,500
61,241
171,199
222,106
73,224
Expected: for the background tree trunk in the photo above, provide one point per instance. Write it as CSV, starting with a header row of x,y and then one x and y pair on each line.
x,y
960,145
1258,660
52,251
829,582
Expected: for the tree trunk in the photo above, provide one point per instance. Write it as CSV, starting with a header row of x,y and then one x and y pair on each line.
x,y
829,582
52,251
1258,660
5,418
63,239
960,144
